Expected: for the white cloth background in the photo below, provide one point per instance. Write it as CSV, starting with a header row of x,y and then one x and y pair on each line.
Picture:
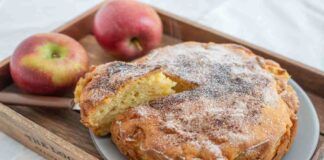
x,y
294,28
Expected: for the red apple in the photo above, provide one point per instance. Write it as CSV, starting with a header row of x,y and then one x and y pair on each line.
x,y
48,63
127,28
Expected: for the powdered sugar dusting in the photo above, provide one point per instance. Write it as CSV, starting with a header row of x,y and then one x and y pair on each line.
x,y
107,78
142,111
232,90
213,148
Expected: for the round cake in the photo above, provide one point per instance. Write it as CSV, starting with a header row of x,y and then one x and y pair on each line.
x,y
192,101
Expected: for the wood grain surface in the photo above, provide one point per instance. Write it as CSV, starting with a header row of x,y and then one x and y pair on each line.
x,y
64,125
319,154
46,137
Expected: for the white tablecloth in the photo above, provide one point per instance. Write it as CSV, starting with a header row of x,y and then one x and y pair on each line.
x,y
294,28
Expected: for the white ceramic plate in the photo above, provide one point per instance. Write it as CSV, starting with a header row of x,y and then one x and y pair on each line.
x,y
303,148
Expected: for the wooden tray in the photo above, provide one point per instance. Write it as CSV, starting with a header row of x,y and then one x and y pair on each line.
x,y
58,134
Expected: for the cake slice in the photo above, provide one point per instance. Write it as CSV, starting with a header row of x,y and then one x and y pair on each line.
x,y
117,88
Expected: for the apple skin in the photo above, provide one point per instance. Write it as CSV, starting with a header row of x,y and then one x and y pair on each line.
x,y
48,63
127,28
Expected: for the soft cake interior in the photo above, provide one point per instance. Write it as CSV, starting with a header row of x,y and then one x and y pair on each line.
x,y
149,87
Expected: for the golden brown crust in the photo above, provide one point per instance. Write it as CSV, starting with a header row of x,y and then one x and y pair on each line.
x,y
269,126
289,96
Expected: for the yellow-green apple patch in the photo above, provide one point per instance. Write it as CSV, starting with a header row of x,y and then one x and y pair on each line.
x,y
52,59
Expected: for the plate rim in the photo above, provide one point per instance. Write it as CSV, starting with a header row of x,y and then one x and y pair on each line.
x,y
294,85
93,138
315,118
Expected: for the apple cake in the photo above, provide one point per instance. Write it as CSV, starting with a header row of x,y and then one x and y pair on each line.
x,y
192,101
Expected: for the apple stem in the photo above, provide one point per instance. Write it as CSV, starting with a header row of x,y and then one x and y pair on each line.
x,y
55,55
137,44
